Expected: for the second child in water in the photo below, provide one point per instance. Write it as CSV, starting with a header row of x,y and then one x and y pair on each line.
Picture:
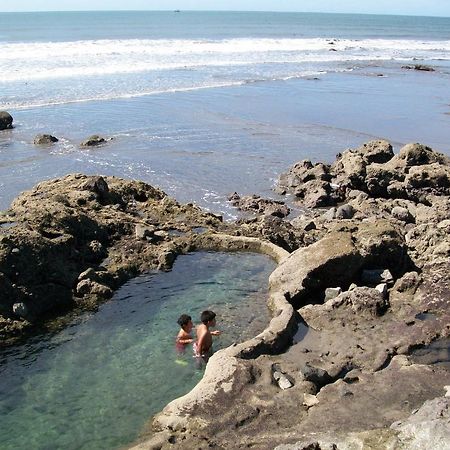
x,y
203,345
184,336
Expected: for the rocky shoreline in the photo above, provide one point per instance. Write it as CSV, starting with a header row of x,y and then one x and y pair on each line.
x,y
364,273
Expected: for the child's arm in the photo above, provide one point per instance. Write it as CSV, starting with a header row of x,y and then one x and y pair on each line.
x,y
184,338
215,332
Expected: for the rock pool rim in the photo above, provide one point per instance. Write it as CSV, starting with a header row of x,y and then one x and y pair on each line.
x,y
220,370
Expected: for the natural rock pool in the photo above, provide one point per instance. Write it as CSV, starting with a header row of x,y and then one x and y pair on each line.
x,y
95,384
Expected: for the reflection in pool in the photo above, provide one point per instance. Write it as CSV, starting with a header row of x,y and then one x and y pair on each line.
x,y
95,384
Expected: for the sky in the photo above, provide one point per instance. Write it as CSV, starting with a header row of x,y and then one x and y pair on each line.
x,y
402,7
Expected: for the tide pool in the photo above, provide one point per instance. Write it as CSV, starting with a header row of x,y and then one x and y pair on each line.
x,y
96,383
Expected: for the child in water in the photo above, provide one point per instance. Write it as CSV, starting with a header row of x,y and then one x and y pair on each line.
x,y
203,346
184,336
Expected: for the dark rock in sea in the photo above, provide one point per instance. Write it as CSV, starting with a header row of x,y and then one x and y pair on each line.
x,y
45,139
93,141
6,120
421,67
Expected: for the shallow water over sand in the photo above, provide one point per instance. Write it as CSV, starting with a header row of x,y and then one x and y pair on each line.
x,y
95,384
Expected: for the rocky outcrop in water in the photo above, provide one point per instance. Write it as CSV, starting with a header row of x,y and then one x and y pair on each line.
x,y
70,242
365,282
6,120
93,141
45,139
371,285
414,173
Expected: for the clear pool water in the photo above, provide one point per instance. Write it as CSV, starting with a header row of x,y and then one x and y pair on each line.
x,y
96,383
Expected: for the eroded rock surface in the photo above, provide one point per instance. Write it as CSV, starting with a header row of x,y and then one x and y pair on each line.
x,y
345,355
73,240
352,381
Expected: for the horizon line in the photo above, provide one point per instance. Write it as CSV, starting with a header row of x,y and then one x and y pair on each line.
x,y
222,11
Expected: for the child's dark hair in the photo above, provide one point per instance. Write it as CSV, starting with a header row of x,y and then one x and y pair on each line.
x,y
183,320
207,316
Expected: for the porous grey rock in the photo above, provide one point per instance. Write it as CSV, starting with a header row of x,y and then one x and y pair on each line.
x,y
429,176
428,427
93,141
87,286
316,375
408,282
345,212
88,274
45,139
402,214
332,293
143,231
6,120
382,288
283,380
330,214
259,205
310,400
98,185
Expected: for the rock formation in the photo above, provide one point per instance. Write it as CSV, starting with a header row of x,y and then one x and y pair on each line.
x,y
349,380
358,289
93,141
44,139
71,241
6,120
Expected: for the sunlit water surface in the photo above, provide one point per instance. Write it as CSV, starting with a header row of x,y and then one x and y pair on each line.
x,y
95,384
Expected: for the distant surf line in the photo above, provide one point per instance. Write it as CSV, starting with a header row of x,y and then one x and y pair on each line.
x,y
158,92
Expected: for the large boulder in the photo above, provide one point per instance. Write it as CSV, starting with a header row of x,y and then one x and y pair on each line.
x,y
405,175
6,120
349,169
417,155
304,275
301,173
382,245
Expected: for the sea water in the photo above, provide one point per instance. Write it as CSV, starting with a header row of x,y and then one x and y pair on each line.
x,y
202,104
96,383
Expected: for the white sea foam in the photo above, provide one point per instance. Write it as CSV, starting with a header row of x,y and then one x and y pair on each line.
x,y
52,60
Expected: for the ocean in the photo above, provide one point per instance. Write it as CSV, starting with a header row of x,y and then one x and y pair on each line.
x,y
202,104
